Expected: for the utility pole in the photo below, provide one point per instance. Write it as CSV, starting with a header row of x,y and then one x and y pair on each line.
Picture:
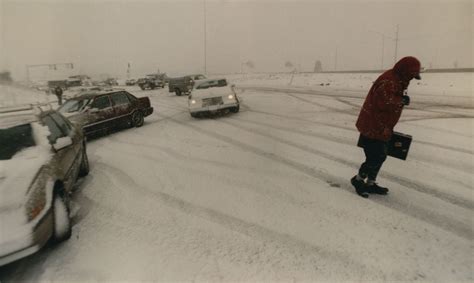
x,y
335,61
383,46
396,47
205,38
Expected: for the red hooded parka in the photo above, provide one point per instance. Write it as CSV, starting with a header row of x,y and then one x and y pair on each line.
x,y
383,105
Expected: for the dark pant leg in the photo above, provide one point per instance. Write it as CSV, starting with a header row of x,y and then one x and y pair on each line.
x,y
375,155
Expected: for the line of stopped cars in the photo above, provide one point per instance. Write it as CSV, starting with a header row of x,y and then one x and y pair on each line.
x,y
43,153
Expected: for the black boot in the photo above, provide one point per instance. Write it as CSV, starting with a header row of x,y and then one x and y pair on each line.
x,y
376,189
360,187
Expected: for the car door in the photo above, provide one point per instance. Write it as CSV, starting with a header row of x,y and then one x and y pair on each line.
x,y
63,159
123,107
101,114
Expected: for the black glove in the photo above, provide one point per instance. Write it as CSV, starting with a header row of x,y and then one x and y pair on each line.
x,y
405,100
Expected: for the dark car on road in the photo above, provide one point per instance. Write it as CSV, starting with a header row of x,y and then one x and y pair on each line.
x,y
41,156
101,111
183,85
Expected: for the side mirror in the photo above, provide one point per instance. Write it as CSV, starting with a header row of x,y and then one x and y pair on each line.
x,y
62,143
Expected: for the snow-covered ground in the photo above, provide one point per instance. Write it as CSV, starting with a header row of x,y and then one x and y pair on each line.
x,y
264,194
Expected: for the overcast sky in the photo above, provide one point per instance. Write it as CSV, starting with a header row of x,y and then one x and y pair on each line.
x,y
102,37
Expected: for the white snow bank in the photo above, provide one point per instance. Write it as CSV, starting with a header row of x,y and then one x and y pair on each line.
x,y
11,95
458,84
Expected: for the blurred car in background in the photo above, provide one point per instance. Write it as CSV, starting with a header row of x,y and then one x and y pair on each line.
x,y
183,85
212,96
102,111
41,156
151,82
130,82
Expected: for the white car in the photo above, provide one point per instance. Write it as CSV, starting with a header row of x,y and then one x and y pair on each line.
x,y
212,96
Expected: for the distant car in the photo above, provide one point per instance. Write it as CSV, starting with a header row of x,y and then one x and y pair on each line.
x,y
41,156
183,85
150,82
211,96
111,82
131,82
101,111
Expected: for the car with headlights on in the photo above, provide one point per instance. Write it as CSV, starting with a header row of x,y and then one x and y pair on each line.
x,y
104,110
41,156
212,96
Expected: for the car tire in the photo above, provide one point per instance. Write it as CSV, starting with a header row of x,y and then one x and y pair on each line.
x,y
235,109
142,87
137,119
194,115
62,227
84,169
177,91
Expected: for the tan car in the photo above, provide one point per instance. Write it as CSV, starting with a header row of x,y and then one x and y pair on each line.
x,y
41,156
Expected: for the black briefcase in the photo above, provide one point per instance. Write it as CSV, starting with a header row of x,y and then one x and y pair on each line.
x,y
398,145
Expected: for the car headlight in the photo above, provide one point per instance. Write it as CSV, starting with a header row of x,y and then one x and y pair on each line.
x,y
37,197
230,96
193,101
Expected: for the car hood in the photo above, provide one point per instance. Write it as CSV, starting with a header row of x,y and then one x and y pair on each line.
x,y
17,174
211,92
78,118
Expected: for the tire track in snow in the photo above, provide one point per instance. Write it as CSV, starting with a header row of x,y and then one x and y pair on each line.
x,y
241,226
283,195
353,129
403,181
441,221
335,109
345,141
338,95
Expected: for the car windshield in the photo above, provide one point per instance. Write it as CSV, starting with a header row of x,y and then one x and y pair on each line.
x,y
215,83
73,105
15,139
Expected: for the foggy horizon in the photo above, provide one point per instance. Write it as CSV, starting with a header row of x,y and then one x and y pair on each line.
x,y
102,37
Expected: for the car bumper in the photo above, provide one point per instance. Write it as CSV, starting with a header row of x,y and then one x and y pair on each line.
x,y
148,111
213,108
27,241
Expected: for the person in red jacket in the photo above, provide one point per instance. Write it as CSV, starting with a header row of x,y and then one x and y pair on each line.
x,y
379,115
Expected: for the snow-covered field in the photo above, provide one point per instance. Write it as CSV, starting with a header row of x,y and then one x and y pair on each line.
x,y
264,194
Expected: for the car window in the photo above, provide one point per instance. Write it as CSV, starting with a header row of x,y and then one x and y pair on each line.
x,y
54,129
208,84
131,97
62,123
119,98
73,105
101,102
